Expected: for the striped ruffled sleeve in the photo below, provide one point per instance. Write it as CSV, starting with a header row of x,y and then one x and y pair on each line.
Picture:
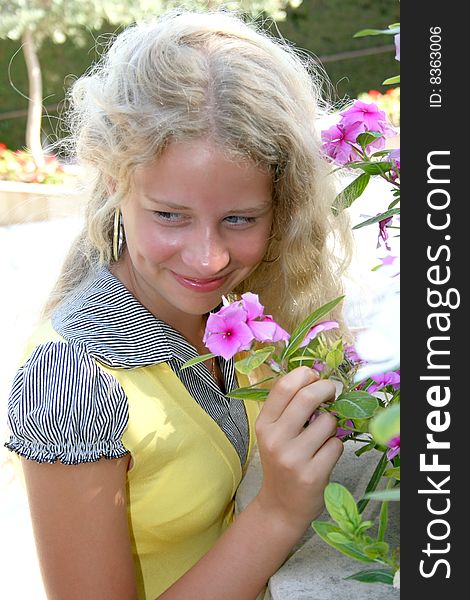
x,y
64,407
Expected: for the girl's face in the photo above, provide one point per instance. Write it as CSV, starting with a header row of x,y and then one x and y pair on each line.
x,y
196,224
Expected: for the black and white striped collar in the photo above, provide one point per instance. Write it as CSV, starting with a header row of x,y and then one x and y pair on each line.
x,y
116,329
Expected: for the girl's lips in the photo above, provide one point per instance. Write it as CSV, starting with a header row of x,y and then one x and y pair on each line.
x,y
200,285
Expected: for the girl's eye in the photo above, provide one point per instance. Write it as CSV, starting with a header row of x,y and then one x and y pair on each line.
x,y
237,220
169,217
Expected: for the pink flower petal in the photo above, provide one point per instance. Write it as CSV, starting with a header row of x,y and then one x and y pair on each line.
x,y
227,332
252,305
316,329
394,445
264,331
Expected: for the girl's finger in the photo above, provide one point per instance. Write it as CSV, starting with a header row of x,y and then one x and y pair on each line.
x,y
314,436
303,405
284,391
324,460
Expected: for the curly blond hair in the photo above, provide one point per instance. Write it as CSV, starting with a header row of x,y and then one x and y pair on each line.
x,y
212,76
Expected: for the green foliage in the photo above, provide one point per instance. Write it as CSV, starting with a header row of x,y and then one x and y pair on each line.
x,y
197,359
349,535
319,27
384,495
377,218
355,404
386,424
327,27
350,193
252,393
374,576
254,360
300,331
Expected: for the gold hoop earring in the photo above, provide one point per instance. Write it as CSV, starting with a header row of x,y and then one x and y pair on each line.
x,y
118,235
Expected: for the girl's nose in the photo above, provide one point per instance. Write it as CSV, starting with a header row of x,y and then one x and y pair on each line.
x,y
206,255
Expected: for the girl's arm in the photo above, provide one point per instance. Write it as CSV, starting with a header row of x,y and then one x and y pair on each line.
x,y
79,518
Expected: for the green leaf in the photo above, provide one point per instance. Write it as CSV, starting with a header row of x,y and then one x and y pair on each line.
x,y
363,527
373,167
377,218
334,358
384,495
366,138
323,529
392,80
365,32
339,538
373,481
376,550
355,405
253,361
302,360
350,193
365,448
301,330
197,359
386,424
393,473
373,576
383,518
249,393
341,506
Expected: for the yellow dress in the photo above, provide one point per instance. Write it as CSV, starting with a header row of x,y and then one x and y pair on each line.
x,y
185,471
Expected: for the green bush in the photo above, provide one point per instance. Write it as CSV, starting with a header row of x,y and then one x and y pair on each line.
x,y
320,27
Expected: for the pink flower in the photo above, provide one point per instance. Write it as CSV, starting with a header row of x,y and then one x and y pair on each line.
x,y
227,332
394,445
367,113
341,433
337,141
382,379
351,354
394,158
316,329
237,324
388,260
383,233
262,326
371,118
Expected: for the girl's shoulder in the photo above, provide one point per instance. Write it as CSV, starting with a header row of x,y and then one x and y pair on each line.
x,y
63,406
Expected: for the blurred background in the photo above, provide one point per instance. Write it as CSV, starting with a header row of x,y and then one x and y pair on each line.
x,y
72,33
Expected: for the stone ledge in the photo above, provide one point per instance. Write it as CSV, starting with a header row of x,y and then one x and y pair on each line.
x,y
28,202
315,570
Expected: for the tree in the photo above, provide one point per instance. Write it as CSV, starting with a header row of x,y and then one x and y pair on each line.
x,y
33,21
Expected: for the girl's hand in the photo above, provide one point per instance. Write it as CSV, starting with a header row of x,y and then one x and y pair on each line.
x,y
296,460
